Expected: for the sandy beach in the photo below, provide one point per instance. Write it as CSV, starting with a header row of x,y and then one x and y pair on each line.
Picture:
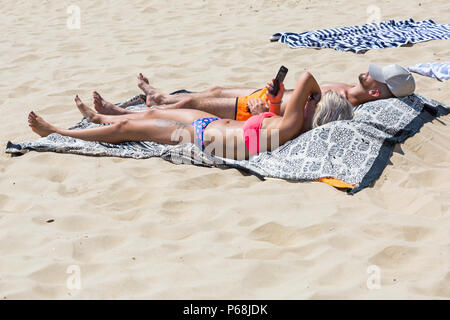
x,y
150,229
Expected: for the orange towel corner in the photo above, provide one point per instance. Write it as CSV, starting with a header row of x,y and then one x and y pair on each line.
x,y
335,183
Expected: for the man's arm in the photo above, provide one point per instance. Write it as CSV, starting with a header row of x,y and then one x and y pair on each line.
x,y
333,84
257,106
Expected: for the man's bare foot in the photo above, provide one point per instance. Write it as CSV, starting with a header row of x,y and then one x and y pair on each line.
x,y
87,112
39,125
153,96
144,84
104,107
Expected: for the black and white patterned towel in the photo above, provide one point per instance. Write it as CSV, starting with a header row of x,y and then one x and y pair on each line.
x,y
354,151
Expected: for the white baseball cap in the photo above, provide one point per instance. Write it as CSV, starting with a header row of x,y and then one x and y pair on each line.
x,y
399,80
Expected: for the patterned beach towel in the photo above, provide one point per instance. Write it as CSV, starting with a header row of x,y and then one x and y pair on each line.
x,y
353,151
359,39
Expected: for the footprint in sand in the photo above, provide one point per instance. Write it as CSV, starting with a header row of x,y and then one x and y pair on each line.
x,y
395,256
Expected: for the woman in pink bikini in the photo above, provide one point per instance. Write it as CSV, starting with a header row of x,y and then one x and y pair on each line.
x,y
306,109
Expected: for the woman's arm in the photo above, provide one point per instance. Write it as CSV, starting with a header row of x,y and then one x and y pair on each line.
x,y
274,102
292,122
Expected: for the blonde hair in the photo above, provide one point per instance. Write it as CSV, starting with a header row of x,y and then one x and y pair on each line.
x,y
332,107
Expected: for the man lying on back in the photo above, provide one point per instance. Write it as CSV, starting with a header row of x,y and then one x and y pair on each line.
x,y
241,103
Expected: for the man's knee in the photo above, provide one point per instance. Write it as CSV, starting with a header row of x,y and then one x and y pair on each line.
x,y
188,103
216,91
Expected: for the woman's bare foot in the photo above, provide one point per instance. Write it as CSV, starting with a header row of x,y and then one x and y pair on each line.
x,y
39,125
153,97
104,107
87,112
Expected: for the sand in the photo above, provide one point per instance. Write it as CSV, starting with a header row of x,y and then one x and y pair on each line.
x,y
149,229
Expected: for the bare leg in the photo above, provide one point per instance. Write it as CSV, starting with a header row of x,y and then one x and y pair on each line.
x,y
94,117
232,92
221,107
154,97
224,108
104,107
216,92
182,115
158,130
87,112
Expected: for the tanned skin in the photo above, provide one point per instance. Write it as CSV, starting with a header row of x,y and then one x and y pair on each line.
x,y
221,101
175,126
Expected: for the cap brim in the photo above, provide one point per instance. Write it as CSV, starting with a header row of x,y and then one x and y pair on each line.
x,y
376,72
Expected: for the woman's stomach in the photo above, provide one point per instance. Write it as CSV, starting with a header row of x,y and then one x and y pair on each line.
x,y
224,138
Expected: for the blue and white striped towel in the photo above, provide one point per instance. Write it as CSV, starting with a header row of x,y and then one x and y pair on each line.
x,y
359,39
438,70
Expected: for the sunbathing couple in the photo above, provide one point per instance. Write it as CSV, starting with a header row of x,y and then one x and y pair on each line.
x,y
219,122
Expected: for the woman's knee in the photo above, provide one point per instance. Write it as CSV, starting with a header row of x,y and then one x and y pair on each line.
x,y
122,126
152,112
